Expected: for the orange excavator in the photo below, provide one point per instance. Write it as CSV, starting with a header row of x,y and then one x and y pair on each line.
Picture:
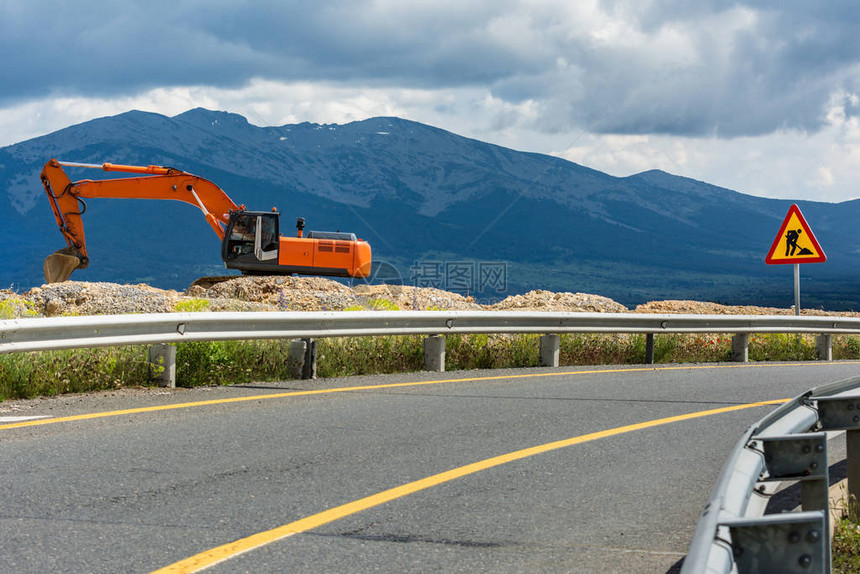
x,y
250,240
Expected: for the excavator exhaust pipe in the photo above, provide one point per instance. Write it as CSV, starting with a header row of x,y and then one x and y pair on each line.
x,y
58,266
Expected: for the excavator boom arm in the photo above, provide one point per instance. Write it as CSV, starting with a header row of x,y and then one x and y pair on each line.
x,y
156,182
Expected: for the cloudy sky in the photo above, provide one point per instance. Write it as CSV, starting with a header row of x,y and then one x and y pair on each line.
x,y
761,97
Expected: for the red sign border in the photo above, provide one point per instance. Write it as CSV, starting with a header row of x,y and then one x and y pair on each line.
x,y
796,211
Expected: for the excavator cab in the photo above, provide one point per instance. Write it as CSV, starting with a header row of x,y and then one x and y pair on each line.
x,y
251,241
252,233
252,244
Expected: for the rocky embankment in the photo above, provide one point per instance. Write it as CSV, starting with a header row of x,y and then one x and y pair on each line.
x,y
318,294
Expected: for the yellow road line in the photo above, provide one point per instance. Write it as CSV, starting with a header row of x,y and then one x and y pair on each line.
x,y
140,410
225,552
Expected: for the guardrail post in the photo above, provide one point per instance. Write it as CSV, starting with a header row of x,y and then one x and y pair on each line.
x,y
162,365
297,357
843,413
741,348
434,353
549,350
649,348
309,369
824,347
791,542
802,457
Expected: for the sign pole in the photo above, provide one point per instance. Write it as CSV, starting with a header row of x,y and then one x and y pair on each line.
x,y
797,289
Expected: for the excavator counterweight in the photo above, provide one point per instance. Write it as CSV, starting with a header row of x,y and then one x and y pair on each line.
x,y
250,239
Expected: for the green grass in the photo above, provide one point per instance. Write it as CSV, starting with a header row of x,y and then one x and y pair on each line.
x,y
193,305
48,373
845,544
846,547
17,308
201,363
782,347
344,356
378,304
26,375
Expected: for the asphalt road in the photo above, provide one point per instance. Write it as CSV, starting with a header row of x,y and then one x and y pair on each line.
x,y
140,490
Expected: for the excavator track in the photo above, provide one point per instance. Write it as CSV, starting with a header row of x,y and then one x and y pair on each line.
x,y
207,282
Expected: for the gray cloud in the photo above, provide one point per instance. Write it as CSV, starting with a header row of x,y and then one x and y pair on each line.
x,y
666,67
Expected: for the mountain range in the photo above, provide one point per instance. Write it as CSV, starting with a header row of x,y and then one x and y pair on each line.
x,y
438,209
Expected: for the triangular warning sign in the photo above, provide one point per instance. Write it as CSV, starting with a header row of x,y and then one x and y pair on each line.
x,y
795,242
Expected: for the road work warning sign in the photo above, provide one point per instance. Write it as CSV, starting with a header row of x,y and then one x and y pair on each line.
x,y
795,242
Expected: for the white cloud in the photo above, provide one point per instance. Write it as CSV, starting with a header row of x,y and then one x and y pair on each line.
x,y
786,164
36,118
760,97
658,67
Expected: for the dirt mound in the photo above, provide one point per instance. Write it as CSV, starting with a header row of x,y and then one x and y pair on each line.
x,y
704,308
280,293
540,300
407,297
321,294
84,298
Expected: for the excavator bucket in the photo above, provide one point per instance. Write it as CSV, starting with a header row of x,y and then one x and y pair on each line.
x,y
59,265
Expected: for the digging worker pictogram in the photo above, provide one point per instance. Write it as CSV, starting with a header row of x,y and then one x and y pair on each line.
x,y
791,241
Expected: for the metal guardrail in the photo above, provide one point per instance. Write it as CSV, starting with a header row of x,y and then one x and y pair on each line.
x,y
734,534
35,334
732,528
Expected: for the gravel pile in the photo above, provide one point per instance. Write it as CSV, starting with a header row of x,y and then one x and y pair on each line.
x,y
222,304
540,300
278,293
408,297
83,298
703,308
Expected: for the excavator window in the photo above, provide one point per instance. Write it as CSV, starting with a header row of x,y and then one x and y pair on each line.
x,y
242,235
252,236
266,238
